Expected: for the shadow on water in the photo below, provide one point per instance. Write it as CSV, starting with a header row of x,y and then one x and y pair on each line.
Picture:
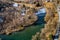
x,y
40,20
6,39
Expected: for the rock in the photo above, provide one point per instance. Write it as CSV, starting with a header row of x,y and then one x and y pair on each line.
x,y
14,21
51,19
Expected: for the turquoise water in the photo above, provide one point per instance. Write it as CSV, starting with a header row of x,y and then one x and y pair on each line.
x,y
23,35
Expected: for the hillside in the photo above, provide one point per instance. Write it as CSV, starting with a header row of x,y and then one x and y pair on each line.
x,y
14,18
51,19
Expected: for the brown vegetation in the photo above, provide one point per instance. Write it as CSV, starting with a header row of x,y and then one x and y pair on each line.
x,y
51,19
13,20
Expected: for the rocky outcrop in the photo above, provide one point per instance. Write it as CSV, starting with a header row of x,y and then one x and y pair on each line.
x,y
13,20
51,19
